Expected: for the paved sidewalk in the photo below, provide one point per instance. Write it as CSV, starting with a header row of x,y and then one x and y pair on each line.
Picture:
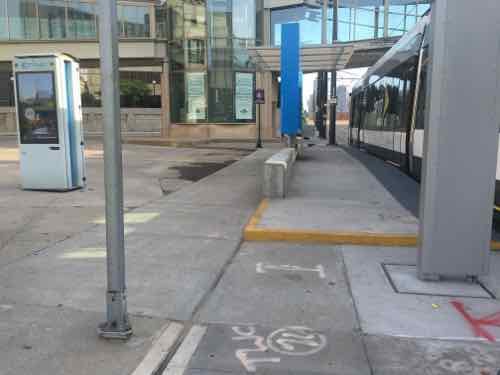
x,y
285,308
341,195
203,302
177,247
344,190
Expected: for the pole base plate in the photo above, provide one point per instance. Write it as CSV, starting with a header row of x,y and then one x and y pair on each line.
x,y
111,332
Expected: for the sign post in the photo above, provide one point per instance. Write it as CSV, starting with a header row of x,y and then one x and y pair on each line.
x,y
117,325
260,98
291,83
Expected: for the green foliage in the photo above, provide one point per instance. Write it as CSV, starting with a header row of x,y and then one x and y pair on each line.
x,y
134,91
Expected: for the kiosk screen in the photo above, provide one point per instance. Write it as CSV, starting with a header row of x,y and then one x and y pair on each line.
x,y
37,108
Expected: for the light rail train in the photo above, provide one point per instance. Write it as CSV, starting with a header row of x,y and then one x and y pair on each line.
x,y
388,105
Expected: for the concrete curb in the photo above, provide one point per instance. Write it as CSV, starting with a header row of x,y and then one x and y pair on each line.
x,y
152,362
278,171
253,233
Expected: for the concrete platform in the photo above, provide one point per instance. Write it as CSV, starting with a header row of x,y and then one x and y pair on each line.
x,y
340,195
382,311
346,190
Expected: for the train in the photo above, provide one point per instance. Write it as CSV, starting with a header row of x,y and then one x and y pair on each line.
x,y
388,106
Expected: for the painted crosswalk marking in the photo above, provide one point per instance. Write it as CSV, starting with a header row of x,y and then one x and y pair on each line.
x,y
180,361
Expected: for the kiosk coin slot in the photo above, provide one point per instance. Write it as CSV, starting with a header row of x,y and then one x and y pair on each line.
x,y
49,121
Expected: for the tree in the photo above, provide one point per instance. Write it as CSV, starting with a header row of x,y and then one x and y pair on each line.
x,y
134,91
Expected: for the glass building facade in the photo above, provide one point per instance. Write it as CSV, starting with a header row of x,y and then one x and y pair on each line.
x,y
69,20
357,20
210,75
212,78
77,20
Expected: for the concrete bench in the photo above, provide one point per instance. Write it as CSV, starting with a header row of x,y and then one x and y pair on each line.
x,y
277,173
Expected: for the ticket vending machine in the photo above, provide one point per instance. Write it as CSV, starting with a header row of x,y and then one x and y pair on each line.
x,y
49,122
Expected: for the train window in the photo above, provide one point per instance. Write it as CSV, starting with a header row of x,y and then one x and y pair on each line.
x,y
403,110
422,95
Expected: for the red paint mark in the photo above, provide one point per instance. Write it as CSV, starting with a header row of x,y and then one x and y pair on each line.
x,y
478,323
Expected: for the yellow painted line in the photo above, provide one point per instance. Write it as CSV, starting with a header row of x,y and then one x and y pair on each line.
x,y
333,238
257,216
336,238
259,234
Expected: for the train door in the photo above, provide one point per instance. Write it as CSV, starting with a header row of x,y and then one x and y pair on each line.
x,y
401,134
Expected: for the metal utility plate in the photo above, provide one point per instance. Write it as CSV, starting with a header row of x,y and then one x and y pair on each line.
x,y
404,280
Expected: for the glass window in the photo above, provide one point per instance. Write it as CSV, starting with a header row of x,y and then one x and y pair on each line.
x,y
6,85
176,52
37,111
140,89
3,20
90,87
220,18
161,22
23,23
189,53
176,19
195,19
244,22
208,47
134,21
196,96
241,58
82,22
344,24
195,52
220,53
308,17
178,101
358,19
259,22
404,14
221,96
52,16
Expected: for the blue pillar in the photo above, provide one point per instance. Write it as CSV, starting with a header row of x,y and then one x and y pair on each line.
x,y
291,96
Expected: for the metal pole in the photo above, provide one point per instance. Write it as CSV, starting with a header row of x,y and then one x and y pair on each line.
x,y
332,136
386,18
259,134
324,23
335,30
324,75
117,325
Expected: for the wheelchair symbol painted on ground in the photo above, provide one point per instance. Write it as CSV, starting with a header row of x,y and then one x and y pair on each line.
x,y
295,341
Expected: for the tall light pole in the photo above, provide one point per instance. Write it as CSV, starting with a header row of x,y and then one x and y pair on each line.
x,y
332,135
117,325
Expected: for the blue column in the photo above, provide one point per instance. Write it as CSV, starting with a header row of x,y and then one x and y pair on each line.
x,y
291,96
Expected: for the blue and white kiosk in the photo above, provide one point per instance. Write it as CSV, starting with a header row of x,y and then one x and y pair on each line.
x,y
49,122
